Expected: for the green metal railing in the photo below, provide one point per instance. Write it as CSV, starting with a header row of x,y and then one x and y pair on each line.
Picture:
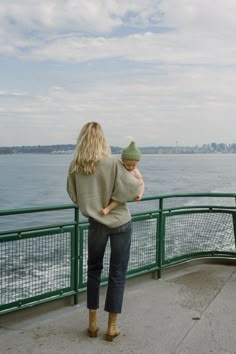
x,y
44,262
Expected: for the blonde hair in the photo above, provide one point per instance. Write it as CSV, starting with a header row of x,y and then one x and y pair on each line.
x,y
91,147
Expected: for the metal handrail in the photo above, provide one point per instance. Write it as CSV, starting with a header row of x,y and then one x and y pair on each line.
x,y
77,229
145,198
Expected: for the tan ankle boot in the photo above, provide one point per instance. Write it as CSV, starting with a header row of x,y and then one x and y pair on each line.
x,y
93,329
112,330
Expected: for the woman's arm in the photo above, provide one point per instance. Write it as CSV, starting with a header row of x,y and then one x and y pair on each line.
x,y
113,204
71,187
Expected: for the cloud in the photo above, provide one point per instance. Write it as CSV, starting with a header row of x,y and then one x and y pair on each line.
x,y
165,48
201,16
186,103
81,15
180,32
156,70
31,28
7,94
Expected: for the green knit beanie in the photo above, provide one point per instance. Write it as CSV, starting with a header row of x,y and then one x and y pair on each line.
x,y
131,152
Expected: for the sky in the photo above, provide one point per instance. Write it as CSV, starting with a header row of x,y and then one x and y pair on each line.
x,y
161,71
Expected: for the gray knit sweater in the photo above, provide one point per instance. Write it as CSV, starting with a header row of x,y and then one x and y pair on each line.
x,y
93,192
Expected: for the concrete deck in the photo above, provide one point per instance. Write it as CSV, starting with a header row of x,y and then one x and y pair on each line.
x,y
189,311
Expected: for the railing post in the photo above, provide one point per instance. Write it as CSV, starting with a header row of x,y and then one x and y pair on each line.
x,y
234,223
160,238
76,264
234,226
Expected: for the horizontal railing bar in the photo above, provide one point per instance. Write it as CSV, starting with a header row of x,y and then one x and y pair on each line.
x,y
201,255
150,214
28,304
180,195
154,213
200,207
36,209
145,198
36,298
37,228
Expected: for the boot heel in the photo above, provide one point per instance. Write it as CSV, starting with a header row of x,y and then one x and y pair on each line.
x,y
112,329
109,337
93,334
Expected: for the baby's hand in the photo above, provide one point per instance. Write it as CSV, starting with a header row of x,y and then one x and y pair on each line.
x,y
138,198
136,173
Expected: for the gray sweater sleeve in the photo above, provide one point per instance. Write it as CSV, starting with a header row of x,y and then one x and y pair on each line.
x,y
71,187
126,186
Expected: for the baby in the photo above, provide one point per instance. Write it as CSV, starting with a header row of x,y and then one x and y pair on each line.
x,y
130,157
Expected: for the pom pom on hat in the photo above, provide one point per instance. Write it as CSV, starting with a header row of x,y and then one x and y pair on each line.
x,y
131,152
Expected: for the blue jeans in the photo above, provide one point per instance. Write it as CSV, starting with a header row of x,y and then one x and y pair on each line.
x,y
120,240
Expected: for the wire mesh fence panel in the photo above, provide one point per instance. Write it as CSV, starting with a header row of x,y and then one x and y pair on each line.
x,y
34,266
190,233
142,253
85,256
143,246
40,263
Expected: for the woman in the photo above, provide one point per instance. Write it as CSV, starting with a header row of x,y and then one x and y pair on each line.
x,y
95,178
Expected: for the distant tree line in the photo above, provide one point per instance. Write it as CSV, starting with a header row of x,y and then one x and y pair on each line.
x,y
211,148
37,149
